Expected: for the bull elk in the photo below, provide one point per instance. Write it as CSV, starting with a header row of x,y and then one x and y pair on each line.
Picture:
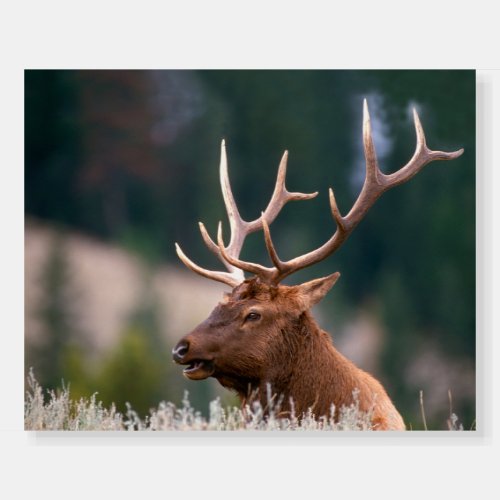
x,y
263,333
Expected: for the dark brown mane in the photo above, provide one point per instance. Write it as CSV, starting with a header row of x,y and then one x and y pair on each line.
x,y
253,288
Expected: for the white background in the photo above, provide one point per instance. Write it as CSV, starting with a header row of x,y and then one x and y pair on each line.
x,y
231,34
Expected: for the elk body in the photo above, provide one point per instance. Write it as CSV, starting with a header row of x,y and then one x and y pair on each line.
x,y
263,333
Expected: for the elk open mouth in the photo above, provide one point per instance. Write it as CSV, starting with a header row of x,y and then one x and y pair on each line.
x,y
198,369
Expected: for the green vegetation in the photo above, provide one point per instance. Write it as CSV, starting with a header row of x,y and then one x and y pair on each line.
x,y
136,371
62,346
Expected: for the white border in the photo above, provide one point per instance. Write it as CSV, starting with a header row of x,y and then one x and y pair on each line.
x,y
223,34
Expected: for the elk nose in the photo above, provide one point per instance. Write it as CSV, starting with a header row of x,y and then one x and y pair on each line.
x,y
180,350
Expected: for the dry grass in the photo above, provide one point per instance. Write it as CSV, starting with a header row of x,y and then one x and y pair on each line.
x,y
59,412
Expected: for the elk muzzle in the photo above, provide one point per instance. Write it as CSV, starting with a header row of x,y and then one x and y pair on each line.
x,y
197,367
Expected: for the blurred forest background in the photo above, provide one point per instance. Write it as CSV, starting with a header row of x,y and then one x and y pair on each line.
x,y
119,165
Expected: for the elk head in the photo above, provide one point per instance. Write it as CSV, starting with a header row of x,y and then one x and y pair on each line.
x,y
262,330
242,341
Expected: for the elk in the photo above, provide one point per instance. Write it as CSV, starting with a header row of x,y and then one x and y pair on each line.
x,y
263,333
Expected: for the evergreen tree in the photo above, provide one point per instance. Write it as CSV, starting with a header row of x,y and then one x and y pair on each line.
x,y
60,356
136,370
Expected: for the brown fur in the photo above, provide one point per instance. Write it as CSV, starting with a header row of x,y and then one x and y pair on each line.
x,y
284,348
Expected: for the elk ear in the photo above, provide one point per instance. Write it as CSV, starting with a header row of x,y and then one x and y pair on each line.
x,y
313,291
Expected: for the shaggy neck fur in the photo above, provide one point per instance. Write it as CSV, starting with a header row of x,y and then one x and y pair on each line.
x,y
307,369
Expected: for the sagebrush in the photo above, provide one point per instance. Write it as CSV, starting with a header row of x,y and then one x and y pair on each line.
x,y
60,412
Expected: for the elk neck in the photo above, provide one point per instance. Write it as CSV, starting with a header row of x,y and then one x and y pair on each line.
x,y
305,367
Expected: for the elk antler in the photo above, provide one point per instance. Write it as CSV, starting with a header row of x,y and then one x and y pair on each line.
x,y
375,184
240,228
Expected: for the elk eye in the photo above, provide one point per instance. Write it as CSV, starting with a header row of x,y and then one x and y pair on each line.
x,y
252,316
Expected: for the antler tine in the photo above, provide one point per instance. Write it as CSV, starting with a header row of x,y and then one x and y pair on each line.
x,y
422,156
208,241
372,169
376,183
236,223
238,226
231,279
336,212
279,197
270,247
